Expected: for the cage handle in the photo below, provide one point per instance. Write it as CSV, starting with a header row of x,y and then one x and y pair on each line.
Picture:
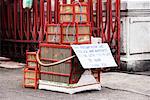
x,y
77,2
51,64
74,32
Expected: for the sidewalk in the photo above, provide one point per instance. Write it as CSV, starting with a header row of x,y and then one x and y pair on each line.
x,y
139,84
7,63
115,86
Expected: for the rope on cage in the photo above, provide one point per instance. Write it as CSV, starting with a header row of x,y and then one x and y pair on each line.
x,y
67,33
74,32
52,64
77,2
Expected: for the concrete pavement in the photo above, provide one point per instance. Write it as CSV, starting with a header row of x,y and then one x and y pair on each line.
x,y
139,84
115,86
8,63
118,89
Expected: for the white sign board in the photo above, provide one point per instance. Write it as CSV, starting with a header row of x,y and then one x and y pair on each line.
x,y
94,55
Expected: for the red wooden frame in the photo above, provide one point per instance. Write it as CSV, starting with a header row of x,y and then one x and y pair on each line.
x,y
73,13
53,33
33,69
77,34
73,69
35,86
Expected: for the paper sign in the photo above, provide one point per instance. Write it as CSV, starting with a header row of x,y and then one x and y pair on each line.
x,y
94,55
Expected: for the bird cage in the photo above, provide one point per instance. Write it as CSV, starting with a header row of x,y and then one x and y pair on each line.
x,y
66,72
74,33
75,12
66,13
53,33
31,71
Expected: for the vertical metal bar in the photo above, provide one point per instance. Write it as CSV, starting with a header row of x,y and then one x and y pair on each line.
x,y
35,15
0,23
21,26
25,24
64,1
90,13
11,20
109,21
56,12
98,17
118,31
5,20
49,12
21,20
99,72
8,18
104,39
8,3
15,23
101,19
1,19
15,19
28,25
42,20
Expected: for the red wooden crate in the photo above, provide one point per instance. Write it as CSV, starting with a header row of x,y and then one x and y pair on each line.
x,y
73,13
67,72
53,33
31,60
84,33
66,13
31,71
69,34
76,33
81,13
31,78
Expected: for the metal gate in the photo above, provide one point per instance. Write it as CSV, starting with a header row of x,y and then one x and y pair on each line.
x,y
22,29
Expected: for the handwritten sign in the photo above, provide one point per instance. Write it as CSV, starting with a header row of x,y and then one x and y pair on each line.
x,y
94,55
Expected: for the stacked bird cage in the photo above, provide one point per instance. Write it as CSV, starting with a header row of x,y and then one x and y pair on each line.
x,y
74,33
75,12
31,71
66,13
53,33
67,72
56,57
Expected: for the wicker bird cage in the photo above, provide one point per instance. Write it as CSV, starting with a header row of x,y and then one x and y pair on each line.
x,y
67,72
76,12
76,33
31,70
53,33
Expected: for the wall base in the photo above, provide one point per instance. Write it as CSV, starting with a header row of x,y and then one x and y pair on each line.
x,y
137,65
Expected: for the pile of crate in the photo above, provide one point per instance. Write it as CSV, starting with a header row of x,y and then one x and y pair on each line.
x,y
31,71
73,28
